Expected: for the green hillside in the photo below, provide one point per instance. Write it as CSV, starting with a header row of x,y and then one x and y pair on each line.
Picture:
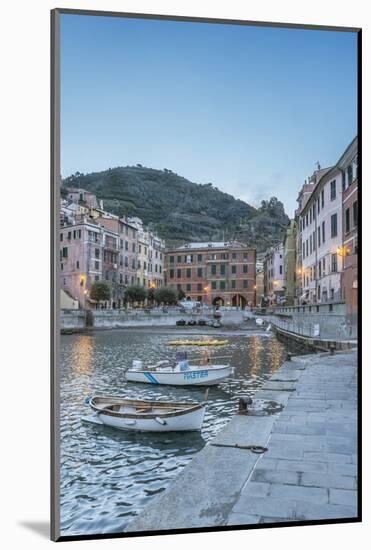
x,y
180,210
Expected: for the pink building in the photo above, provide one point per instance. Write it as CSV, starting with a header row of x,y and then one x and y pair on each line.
x,y
81,196
121,252
81,258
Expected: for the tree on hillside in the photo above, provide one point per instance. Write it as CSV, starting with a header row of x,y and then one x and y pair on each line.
x,y
166,295
135,293
273,207
100,291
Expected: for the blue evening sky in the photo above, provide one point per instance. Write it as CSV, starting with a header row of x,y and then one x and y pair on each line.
x,y
249,109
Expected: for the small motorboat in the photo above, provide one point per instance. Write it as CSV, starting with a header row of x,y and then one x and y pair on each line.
x,y
179,373
146,416
197,343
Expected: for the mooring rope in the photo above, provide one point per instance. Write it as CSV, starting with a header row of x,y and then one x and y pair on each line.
x,y
258,449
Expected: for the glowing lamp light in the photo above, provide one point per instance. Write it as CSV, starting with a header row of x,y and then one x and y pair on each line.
x,y
342,250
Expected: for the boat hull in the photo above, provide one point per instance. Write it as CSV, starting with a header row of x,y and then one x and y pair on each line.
x,y
146,416
192,377
188,421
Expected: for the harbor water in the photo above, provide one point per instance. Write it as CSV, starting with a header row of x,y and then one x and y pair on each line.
x,y
108,476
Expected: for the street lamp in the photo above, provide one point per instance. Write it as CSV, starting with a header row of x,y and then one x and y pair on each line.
x,y
343,251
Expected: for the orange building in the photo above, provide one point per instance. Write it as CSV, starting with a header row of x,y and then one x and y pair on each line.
x,y
214,273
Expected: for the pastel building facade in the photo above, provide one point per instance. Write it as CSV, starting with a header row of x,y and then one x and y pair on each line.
x,y
214,273
303,197
321,230
289,262
259,283
81,259
156,260
142,257
348,165
122,252
274,275
150,257
81,196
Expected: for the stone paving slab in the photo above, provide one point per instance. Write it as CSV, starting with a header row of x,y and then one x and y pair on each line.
x,y
204,493
314,444
309,471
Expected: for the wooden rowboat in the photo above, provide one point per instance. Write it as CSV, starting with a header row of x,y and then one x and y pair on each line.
x,y
143,415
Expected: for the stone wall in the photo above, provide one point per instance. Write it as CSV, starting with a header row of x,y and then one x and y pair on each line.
x,y
324,321
114,318
72,318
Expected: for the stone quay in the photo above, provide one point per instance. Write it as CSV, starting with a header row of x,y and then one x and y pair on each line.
x,y
308,472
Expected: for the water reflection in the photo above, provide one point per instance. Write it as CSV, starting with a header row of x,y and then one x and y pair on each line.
x,y
83,354
256,348
107,476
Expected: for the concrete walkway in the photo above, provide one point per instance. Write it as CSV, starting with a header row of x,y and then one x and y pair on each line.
x,y
309,471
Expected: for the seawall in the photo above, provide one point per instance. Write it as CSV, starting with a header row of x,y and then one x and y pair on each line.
x,y
111,318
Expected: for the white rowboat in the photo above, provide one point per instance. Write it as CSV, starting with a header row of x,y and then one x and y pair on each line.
x,y
146,416
195,375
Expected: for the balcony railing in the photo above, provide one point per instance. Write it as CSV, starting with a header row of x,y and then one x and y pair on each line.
x,y
111,246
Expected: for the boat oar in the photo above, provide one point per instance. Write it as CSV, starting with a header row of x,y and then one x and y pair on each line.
x,y
206,397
